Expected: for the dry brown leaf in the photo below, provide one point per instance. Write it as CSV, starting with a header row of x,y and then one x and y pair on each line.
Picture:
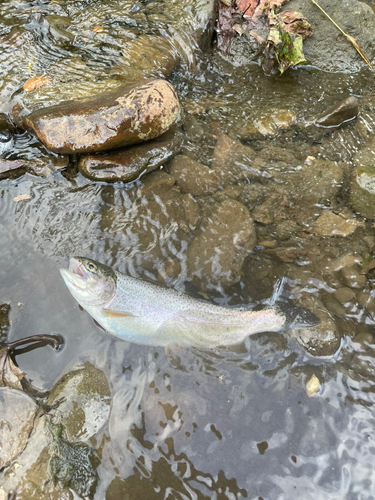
x,y
247,7
98,29
226,18
265,6
36,82
22,197
10,374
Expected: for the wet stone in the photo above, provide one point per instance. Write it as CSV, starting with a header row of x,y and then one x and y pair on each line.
x,y
156,183
325,49
17,413
233,161
344,295
285,229
193,177
351,278
86,401
6,135
72,464
252,195
129,115
169,271
216,255
12,168
130,163
192,211
316,183
340,113
265,126
362,189
330,224
334,306
323,339
264,213
145,56
59,456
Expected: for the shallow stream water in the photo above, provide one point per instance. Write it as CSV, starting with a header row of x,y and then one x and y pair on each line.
x,y
191,423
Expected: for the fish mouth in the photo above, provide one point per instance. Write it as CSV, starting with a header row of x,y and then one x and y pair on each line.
x,y
75,276
75,267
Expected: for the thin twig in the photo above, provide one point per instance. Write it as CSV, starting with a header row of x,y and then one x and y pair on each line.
x,y
350,38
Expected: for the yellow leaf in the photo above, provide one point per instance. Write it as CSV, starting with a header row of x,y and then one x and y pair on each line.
x,y
98,29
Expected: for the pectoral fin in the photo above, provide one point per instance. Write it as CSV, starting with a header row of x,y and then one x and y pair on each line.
x,y
116,314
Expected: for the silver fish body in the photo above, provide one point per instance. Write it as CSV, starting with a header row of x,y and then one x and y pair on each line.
x,y
144,313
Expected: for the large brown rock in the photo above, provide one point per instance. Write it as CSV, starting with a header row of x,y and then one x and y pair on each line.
x,y
127,164
129,115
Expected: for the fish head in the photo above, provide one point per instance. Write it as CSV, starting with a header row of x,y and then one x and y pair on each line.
x,y
90,283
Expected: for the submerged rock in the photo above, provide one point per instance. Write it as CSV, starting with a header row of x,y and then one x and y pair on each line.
x,y
330,224
343,112
193,177
85,401
362,189
192,211
73,464
129,115
323,339
130,163
233,161
317,182
12,168
6,135
216,255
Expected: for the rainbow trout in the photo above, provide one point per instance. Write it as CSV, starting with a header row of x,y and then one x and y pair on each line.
x,y
144,313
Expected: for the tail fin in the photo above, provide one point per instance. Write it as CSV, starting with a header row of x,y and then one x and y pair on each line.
x,y
296,316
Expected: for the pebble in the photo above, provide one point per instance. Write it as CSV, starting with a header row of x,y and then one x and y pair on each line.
x,y
351,277
344,295
312,386
340,113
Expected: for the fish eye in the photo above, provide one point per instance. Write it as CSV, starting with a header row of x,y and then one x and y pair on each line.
x,y
91,266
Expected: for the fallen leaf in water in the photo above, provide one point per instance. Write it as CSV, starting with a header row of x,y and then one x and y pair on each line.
x,y
22,197
98,29
36,82
10,374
